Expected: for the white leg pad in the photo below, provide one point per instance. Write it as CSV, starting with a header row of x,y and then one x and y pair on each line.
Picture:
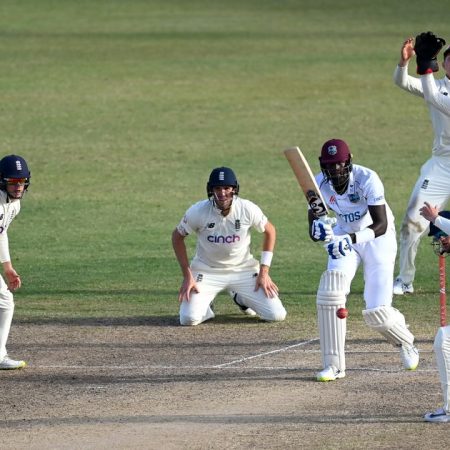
x,y
442,351
390,322
331,296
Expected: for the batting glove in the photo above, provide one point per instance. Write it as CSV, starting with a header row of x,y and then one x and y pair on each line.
x,y
341,247
322,231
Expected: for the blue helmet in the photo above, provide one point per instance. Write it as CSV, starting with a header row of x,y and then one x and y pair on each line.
x,y
222,176
13,166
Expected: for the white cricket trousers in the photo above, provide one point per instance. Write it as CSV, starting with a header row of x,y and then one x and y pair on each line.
x,y
378,259
197,309
6,315
432,186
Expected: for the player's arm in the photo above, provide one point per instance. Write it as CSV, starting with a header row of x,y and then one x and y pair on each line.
x,y
263,280
378,227
433,96
401,77
179,247
12,277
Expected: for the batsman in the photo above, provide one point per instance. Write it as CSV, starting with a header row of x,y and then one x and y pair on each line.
x,y
364,233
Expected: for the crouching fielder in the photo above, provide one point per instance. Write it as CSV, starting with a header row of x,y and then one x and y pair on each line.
x,y
440,230
364,233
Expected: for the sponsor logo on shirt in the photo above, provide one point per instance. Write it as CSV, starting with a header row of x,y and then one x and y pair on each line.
x,y
224,239
332,200
354,198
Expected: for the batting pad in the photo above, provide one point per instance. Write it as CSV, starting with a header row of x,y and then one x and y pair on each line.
x,y
331,297
442,351
390,322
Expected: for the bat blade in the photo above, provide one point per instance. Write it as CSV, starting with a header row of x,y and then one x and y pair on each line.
x,y
306,180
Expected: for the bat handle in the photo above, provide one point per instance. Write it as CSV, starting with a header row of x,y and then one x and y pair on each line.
x,y
442,292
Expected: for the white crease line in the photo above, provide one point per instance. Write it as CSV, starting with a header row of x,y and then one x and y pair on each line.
x,y
237,361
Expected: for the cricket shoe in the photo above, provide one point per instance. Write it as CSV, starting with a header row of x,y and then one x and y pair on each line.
x,y
439,416
409,356
10,364
401,288
245,309
330,373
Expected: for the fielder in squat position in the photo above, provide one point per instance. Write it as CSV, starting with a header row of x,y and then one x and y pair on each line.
x,y
364,233
223,260
14,181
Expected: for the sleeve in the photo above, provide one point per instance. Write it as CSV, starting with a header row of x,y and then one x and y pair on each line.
x,y
406,82
375,192
443,224
258,219
187,224
433,96
4,248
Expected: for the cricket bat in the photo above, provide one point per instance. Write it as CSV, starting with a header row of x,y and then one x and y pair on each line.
x,y
306,180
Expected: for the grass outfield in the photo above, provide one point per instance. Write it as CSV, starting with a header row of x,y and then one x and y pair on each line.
x,y
123,108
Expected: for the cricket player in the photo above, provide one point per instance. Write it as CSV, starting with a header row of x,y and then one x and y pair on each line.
x,y
440,229
436,94
364,233
223,260
433,184
14,181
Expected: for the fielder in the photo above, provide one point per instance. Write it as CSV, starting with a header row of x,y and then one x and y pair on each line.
x,y
441,344
364,233
14,181
223,260
433,184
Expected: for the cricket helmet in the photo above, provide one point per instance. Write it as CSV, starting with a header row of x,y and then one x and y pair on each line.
x,y
222,176
13,166
434,230
334,152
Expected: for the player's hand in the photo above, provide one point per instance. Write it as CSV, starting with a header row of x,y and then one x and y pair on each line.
x,y
340,247
12,278
187,287
407,51
429,212
322,230
264,282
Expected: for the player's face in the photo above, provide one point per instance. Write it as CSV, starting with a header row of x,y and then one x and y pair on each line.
x,y
15,187
223,196
337,173
446,65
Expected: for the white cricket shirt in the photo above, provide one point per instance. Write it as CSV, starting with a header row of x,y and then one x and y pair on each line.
x,y
352,208
223,242
8,210
436,96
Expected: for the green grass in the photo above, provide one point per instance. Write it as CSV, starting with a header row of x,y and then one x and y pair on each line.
x,y
123,108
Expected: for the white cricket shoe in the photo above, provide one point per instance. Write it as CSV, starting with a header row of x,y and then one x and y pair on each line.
x,y
409,356
401,288
330,373
10,364
243,308
439,416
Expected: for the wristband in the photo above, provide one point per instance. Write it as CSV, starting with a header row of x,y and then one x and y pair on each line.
x,y
364,235
266,258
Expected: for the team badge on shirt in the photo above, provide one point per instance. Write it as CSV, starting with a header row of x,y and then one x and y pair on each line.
x,y
354,198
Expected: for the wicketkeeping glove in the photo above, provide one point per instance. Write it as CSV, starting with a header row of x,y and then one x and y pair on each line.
x,y
427,46
341,247
322,230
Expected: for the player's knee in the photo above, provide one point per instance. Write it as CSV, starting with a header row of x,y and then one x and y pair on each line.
x,y
189,321
274,315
